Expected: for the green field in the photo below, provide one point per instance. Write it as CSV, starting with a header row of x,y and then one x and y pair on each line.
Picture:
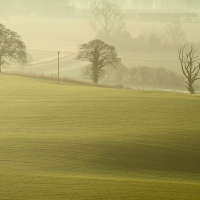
x,y
79,142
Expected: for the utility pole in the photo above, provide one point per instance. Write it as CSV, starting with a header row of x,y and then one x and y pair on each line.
x,y
58,66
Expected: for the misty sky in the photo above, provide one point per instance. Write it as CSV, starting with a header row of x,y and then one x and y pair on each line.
x,y
42,25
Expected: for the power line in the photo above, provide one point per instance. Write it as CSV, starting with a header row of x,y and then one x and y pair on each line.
x,y
163,61
48,51
131,59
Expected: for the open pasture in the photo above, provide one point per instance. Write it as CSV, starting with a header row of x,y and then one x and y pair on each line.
x,y
71,141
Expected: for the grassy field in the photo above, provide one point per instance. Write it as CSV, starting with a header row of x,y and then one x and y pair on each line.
x,y
76,142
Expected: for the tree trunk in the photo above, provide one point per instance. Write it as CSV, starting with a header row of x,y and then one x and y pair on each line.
x,y
95,80
190,88
95,74
1,63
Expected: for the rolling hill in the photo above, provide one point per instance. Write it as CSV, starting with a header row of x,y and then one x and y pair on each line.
x,y
72,141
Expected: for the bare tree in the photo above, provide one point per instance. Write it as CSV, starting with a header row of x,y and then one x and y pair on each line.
x,y
108,18
11,47
100,55
175,34
189,69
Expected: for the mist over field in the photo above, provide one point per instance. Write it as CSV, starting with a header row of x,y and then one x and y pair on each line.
x,y
63,26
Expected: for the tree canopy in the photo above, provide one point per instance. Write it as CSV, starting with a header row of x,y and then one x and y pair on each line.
x,y
11,47
100,55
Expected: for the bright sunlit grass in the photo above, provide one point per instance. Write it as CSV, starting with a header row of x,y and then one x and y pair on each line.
x,y
70,141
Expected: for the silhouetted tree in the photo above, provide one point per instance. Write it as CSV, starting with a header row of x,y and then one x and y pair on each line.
x,y
11,47
100,55
189,69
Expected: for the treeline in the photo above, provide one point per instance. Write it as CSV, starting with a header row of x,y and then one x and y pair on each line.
x,y
169,39
144,75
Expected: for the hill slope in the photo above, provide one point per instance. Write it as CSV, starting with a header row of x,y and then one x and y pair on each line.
x,y
77,142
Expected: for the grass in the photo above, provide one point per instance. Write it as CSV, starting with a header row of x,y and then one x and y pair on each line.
x,y
70,141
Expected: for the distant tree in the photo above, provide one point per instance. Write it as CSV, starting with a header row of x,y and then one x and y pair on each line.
x,y
133,72
11,47
108,18
145,74
189,69
121,73
100,55
152,37
158,76
122,41
174,33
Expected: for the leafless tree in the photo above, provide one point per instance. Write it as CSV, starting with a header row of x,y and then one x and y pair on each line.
x,y
11,47
108,18
189,69
100,55
175,34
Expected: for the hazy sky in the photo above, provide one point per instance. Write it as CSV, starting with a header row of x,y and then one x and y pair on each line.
x,y
53,32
